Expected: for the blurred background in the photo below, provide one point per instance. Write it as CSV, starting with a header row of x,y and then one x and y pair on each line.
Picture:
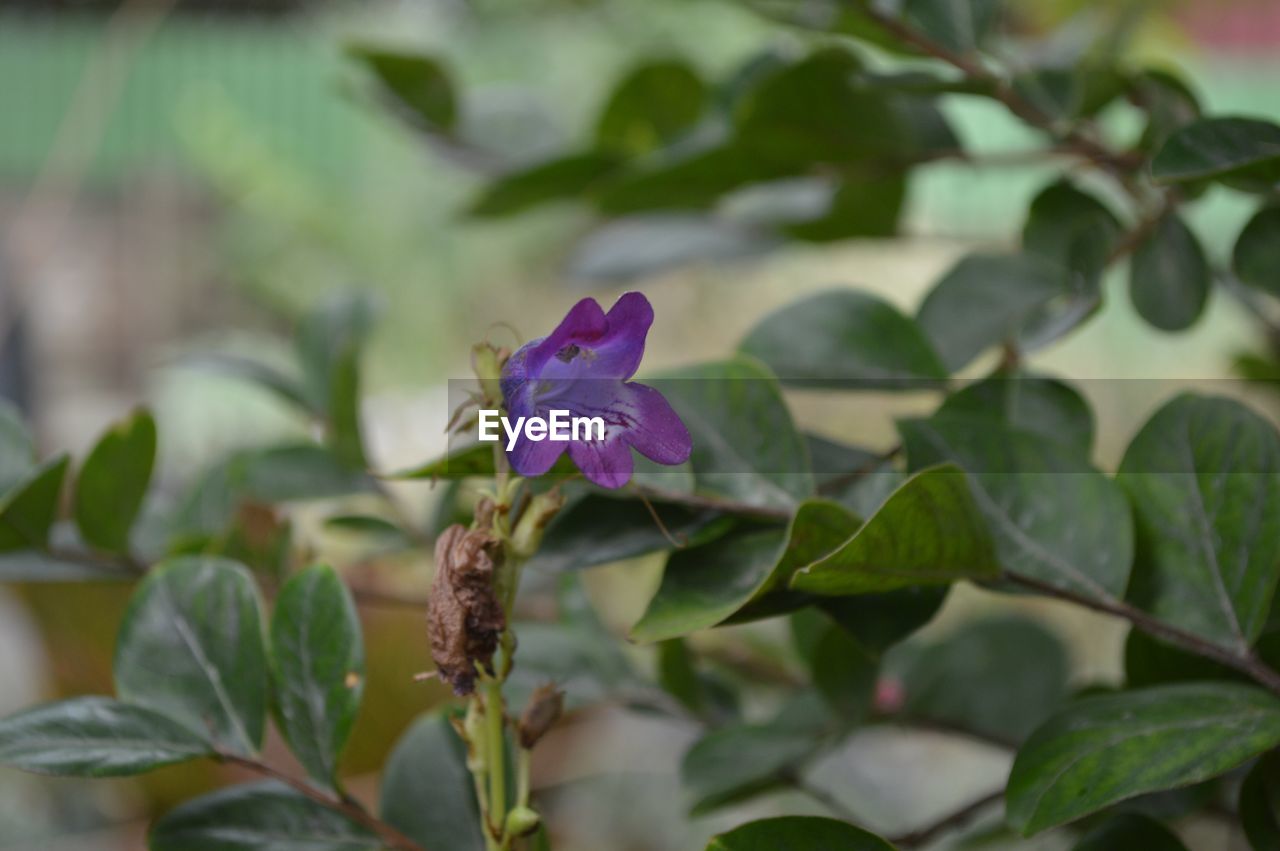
x,y
192,175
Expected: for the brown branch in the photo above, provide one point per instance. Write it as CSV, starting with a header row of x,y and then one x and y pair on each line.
x,y
951,821
345,806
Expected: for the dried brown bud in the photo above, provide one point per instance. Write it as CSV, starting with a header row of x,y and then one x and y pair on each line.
x,y
541,714
465,616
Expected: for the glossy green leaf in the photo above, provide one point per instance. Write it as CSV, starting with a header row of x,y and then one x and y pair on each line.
x,y
862,206
745,444
17,451
1102,750
929,531
1130,830
986,300
95,737
257,817
878,621
1054,518
28,510
113,482
998,676
427,793
1169,276
564,178
317,663
1243,152
1260,804
739,761
191,646
1256,258
742,575
1027,402
1072,229
1203,473
844,339
961,26
416,84
651,107
798,833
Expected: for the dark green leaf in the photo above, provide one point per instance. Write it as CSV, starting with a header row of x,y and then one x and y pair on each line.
x,y
844,339
691,181
344,436
739,761
1256,258
416,84
1169,277
959,25
28,510
1168,101
741,575
191,646
559,179
1069,94
988,299
651,107
862,206
798,833
1026,402
1150,662
427,793
1202,474
878,621
1260,804
1073,230
745,444
258,817
1130,830
113,482
1102,750
929,531
1054,517
317,661
95,737
1242,152
843,671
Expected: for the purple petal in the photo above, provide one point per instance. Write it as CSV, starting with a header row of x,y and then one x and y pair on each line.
x,y
608,462
591,344
656,432
534,457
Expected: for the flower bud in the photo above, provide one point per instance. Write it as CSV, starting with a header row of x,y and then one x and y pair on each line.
x,y
522,821
541,713
533,522
487,361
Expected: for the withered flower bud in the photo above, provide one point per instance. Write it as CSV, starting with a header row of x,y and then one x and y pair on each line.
x,y
465,616
541,713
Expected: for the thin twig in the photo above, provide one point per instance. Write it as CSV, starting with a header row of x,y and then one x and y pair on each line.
x,y
951,821
348,807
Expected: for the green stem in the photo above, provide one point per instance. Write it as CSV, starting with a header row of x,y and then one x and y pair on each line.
x,y
522,777
496,747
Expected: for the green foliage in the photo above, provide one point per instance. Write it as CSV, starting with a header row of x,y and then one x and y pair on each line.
x,y
1243,153
800,834
429,764
113,482
1257,253
1169,277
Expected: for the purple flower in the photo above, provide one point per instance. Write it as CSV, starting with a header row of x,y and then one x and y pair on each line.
x,y
582,367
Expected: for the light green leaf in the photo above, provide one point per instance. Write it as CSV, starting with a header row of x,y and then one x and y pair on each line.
x,y
798,833
258,817
113,482
929,531
1242,152
1103,750
95,737
651,107
191,646
28,510
317,662
1256,258
844,339
427,793
1203,474
1169,276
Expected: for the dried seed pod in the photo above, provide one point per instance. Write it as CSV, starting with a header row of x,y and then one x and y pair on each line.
x,y
465,617
541,713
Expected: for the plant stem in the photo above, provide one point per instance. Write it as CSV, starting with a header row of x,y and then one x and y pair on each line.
x,y
523,771
496,748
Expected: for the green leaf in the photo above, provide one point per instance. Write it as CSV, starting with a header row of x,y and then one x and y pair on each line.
x,y
344,436
687,181
1103,750
1242,152
798,833
878,621
38,566
328,337
191,647
256,817
1054,517
844,339
1073,230
17,451
598,529
1069,94
28,510
416,84
1169,276
1150,662
1032,403
427,793
286,387
740,576
1168,101
317,663
961,26
862,206
113,482
843,671
651,107
1130,830
988,299
1260,804
745,444
1256,258
95,737
929,531
1202,474
999,676
563,178
739,761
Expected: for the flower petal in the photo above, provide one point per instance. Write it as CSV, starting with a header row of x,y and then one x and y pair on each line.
x,y
656,430
534,457
608,462
590,344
